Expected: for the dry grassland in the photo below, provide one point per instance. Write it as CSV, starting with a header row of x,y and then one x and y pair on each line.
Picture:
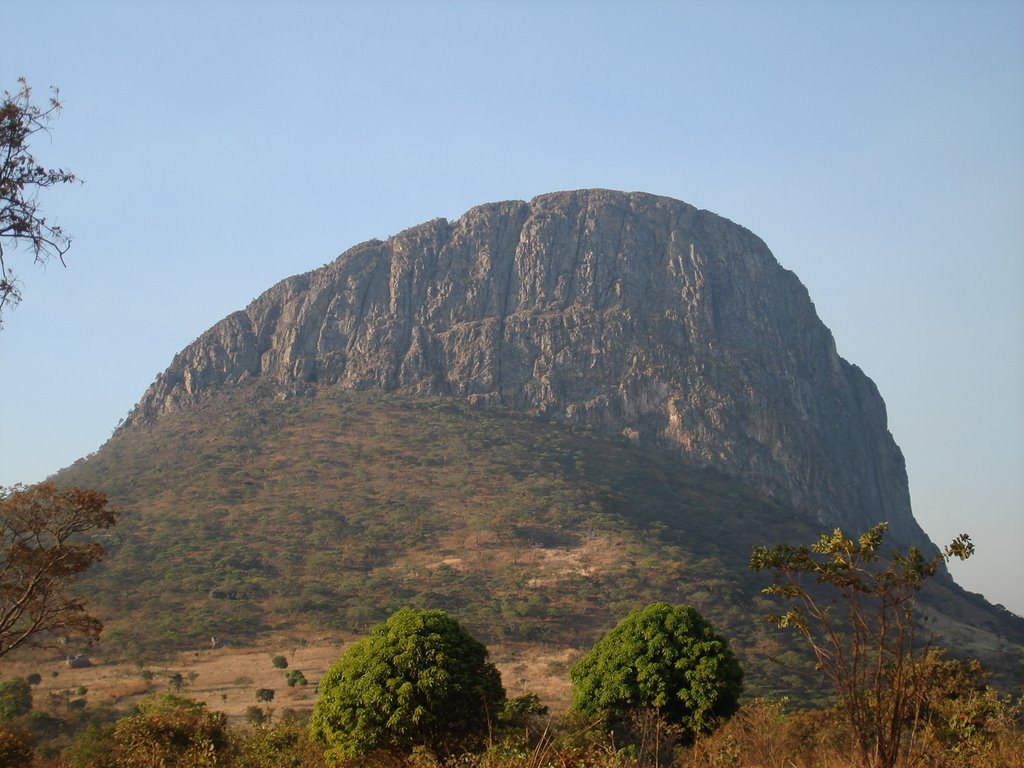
x,y
227,678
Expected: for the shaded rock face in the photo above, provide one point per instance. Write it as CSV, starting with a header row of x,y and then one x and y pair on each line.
x,y
626,313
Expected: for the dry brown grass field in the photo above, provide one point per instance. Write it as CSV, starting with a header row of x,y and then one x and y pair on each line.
x,y
227,678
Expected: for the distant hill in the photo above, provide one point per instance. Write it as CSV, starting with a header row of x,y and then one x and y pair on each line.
x,y
537,417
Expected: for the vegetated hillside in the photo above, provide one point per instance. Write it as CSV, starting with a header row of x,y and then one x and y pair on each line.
x,y
265,509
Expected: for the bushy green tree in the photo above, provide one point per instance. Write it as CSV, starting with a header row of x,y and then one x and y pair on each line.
x,y
15,699
419,679
663,660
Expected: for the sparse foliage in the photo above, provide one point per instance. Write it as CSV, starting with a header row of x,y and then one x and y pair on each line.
x,y
41,554
854,607
21,179
662,665
418,680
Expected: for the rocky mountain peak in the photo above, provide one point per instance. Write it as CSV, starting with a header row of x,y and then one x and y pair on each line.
x,y
622,312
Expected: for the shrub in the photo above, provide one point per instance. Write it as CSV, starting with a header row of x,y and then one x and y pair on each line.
x,y
170,731
286,744
418,680
295,677
279,662
663,661
15,699
264,694
17,746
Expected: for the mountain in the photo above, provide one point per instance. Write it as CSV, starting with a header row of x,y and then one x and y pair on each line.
x,y
538,417
626,313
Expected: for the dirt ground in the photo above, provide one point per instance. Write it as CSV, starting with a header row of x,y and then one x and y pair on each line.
x,y
227,678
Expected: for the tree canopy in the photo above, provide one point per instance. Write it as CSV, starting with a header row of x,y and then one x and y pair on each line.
x,y
41,554
419,679
664,658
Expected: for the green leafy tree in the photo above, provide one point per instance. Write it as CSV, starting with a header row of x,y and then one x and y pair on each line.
x,y
279,662
854,607
41,554
419,679
21,180
264,694
662,660
15,699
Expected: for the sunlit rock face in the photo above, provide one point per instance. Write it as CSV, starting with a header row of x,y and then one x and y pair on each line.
x,y
622,312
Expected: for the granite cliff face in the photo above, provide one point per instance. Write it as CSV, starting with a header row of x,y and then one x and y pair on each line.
x,y
628,313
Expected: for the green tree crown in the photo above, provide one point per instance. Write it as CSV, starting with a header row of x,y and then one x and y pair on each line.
x,y
419,679
663,658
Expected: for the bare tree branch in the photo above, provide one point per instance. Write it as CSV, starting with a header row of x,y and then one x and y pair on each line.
x,y
21,179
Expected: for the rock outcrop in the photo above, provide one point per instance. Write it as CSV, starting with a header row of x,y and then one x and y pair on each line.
x,y
628,313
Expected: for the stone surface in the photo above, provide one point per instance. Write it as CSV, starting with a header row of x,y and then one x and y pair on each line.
x,y
624,312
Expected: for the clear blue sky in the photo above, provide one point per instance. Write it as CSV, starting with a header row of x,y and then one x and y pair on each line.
x,y
877,147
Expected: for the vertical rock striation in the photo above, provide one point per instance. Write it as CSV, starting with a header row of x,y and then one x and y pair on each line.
x,y
624,312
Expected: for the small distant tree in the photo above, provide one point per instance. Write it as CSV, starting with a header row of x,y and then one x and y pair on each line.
x,y
41,554
854,607
176,681
244,682
662,665
264,694
295,677
279,662
21,180
419,679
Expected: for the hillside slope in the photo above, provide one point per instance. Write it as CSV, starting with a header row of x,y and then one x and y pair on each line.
x,y
260,512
